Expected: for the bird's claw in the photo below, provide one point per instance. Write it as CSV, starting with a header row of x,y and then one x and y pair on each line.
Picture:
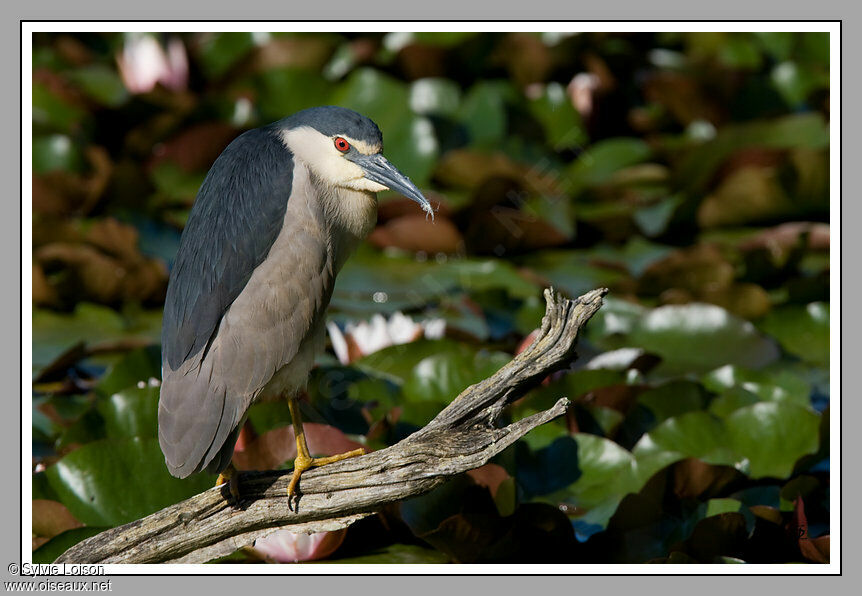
x,y
302,463
231,478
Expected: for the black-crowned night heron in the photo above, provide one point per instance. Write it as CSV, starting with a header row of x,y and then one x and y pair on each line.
x,y
275,219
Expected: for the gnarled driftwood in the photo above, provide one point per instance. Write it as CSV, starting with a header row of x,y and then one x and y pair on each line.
x,y
462,437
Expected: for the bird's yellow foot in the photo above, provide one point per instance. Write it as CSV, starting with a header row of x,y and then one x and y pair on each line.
x,y
230,477
304,462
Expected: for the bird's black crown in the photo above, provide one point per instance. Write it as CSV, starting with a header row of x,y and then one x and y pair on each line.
x,y
335,120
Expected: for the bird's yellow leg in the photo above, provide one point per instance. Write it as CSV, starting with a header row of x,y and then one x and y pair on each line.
x,y
303,459
229,475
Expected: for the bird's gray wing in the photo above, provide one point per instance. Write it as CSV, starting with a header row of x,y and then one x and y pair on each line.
x,y
236,218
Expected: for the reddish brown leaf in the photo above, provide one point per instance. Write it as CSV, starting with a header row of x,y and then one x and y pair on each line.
x,y
815,549
417,233
401,206
490,476
196,147
788,235
49,519
692,478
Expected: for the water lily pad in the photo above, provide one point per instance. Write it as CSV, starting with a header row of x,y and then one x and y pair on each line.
x,y
700,337
132,412
607,473
674,398
780,384
598,163
54,333
694,434
801,330
571,271
115,481
773,436
136,369
441,377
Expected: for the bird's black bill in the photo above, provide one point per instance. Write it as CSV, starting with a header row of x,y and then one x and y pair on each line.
x,y
378,169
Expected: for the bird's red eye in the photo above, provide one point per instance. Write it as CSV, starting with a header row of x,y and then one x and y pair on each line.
x,y
342,145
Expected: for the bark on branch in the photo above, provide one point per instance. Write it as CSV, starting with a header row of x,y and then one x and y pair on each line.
x,y
462,437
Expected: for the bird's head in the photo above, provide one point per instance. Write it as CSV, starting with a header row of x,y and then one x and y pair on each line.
x,y
343,148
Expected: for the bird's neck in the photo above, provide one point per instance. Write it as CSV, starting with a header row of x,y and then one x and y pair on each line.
x,y
349,216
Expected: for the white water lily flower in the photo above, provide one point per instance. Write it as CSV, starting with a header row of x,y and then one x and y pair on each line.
x,y
366,337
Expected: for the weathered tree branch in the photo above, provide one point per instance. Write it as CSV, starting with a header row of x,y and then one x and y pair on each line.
x,y
462,437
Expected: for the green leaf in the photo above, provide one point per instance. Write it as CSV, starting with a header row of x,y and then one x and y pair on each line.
x,y
795,81
442,38
768,385
101,83
407,283
269,415
285,91
597,164
397,362
562,123
778,44
719,506
439,378
115,481
218,52
695,434
796,131
176,184
571,271
435,96
483,113
773,436
132,412
740,52
801,330
134,369
56,152
485,274
54,333
673,399
815,47
48,552
607,473
731,400
53,112
653,219
701,337
615,321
